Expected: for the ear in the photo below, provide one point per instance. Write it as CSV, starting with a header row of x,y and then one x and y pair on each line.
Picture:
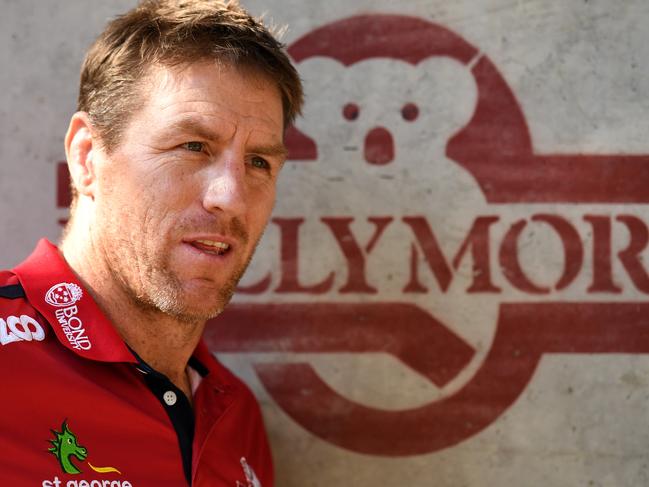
x,y
320,74
450,91
81,143
323,81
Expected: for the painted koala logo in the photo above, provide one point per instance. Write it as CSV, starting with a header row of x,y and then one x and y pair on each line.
x,y
381,128
396,118
387,105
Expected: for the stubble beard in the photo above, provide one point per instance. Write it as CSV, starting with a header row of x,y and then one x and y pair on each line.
x,y
166,295
162,291
146,276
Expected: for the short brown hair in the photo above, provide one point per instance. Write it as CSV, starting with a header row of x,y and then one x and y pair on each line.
x,y
176,32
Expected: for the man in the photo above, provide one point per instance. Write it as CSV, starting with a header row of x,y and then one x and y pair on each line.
x,y
174,157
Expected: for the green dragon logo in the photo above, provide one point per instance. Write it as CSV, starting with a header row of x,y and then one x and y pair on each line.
x,y
65,446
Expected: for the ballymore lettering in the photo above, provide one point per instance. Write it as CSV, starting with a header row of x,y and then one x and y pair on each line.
x,y
602,254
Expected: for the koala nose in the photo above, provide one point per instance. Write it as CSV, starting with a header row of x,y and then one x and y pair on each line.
x,y
379,146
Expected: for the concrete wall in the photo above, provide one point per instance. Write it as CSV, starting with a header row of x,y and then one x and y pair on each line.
x,y
453,288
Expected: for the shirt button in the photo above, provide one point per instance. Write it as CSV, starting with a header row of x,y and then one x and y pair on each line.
x,y
170,398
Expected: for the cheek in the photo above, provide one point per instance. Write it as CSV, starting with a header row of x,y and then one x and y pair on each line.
x,y
113,204
137,209
263,201
166,186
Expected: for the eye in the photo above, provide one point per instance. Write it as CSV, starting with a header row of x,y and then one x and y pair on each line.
x,y
69,441
194,146
259,163
351,111
410,112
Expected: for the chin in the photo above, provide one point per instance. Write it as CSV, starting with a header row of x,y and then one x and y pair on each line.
x,y
194,306
190,299
187,313
196,317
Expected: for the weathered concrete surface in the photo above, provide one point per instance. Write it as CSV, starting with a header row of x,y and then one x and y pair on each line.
x,y
562,394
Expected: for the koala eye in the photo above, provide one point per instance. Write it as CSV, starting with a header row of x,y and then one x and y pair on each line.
x,y
351,111
410,112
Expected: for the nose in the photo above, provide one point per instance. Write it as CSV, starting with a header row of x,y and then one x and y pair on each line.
x,y
226,189
379,146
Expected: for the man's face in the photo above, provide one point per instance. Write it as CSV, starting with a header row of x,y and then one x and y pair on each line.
x,y
182,201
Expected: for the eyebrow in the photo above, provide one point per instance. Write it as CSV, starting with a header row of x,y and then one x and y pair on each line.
x,y
194,126
191,125
275,150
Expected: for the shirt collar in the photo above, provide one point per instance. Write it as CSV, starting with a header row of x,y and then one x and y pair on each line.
x,y
79,324
57,293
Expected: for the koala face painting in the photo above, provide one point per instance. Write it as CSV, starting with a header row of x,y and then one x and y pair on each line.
x,y
388,122
381,127
433,99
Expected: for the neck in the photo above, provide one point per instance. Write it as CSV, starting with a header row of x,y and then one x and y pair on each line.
x,y
163,341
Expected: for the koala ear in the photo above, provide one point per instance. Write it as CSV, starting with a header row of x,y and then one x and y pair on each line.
x,y
322,79
319,73
450,91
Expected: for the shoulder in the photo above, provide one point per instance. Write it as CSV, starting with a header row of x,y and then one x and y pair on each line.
x,y
242,403
8,278
12,294
232,383
221,376
19,320
8,281
255,453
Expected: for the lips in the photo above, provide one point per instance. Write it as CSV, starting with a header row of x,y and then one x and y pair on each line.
x,y
213,247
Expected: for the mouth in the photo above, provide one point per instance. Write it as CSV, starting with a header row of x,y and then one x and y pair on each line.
x,y
211,247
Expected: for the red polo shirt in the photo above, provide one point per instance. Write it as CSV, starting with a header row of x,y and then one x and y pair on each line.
x,y
79,409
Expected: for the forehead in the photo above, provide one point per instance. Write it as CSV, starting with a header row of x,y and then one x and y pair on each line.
x,y
223,93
